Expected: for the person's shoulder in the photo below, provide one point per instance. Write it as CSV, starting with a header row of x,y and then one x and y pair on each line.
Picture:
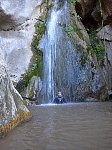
x,y
56,97
64,100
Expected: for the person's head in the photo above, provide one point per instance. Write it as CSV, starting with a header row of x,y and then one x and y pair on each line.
x,y
59,94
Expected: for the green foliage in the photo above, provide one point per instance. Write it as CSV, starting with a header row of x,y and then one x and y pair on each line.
x,y
71,28
41,28
72,1
29,75
48,6
83,59
35,70
97,48
101,11
79,17
37,67
39,63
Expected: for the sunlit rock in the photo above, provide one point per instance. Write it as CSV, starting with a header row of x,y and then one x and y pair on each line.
x,y
12,109
17,20
33,89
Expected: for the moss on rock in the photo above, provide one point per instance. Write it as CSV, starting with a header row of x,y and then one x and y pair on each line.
x,y
37,67
96,47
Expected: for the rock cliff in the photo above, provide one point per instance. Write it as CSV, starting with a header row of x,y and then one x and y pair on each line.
x,y
16,33
17,20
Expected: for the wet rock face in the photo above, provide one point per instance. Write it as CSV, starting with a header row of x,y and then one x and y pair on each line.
x,y
16,33
96,14
77,73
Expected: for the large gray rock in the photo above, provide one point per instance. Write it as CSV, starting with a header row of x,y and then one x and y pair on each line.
x,y
11,103
34,88
17,19
105,33
14,13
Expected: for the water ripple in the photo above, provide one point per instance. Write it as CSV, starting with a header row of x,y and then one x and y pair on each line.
x,y
84,126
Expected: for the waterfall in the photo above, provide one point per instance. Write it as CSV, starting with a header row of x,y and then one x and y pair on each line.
x,y
62,58
49,45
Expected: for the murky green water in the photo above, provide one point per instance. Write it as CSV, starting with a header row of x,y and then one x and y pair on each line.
x,y
83,126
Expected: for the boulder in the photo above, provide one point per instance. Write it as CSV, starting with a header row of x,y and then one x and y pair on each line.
x,y
12,109
34,88
17,20
105,33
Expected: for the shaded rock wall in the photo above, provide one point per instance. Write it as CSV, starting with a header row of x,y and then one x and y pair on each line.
x,y
98,15
84,7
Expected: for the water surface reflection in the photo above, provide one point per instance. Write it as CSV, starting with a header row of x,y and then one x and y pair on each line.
x,y
80,126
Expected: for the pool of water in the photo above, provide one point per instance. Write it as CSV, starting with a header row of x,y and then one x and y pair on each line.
x,y
80,126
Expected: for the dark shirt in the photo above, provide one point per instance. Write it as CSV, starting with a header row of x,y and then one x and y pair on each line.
x,y
59,100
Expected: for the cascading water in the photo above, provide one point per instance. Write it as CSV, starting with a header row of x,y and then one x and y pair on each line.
x,y
49,44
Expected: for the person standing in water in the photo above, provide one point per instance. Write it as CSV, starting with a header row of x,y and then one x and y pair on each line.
x,y
59,99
